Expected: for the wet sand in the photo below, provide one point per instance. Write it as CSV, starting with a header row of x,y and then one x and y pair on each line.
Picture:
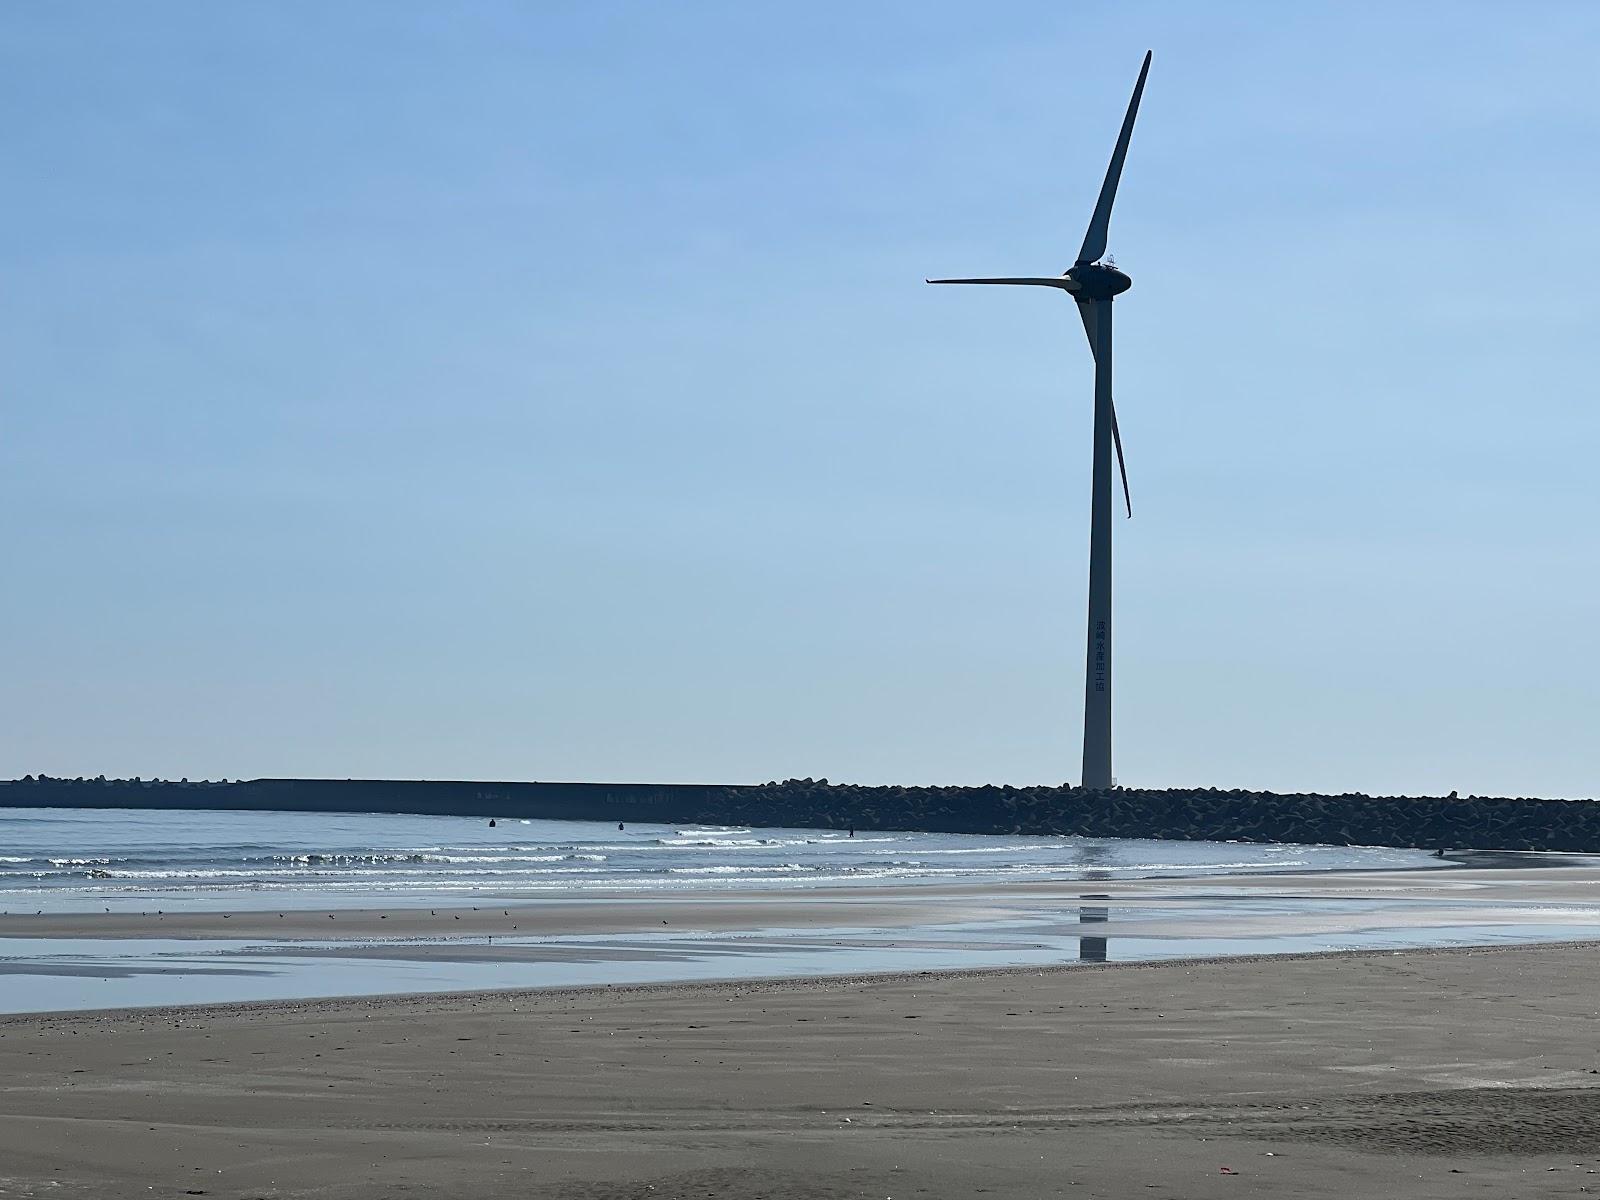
x,y
1463,888
1415,1074
1189,906
91,960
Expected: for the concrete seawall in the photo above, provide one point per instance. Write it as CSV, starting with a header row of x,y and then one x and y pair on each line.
x,y
555,801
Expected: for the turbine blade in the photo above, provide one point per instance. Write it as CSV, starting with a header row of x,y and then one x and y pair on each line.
x,y
1055,281
1088,311
1122,464
1094,242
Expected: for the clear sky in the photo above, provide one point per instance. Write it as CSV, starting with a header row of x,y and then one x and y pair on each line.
x,y
549,391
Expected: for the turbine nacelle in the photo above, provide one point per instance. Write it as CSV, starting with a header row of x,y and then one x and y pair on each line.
x,y
1097,281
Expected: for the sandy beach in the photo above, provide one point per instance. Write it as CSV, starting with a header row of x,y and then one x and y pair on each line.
x,y
1414,1074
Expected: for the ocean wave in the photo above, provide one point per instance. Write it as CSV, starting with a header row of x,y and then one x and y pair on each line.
x,y
729,869
473,859
354,859
317,877
1053,846
729,843
336,859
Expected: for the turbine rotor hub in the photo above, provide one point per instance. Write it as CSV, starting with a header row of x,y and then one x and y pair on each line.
x,y
1096,281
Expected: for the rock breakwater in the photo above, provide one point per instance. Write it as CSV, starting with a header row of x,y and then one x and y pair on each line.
x,y
1182,814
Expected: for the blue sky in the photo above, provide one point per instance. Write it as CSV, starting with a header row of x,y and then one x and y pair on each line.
x,y
549,391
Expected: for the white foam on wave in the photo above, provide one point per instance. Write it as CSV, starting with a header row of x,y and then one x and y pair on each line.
x,y
729,869
513,858
999,849
318,874
731,843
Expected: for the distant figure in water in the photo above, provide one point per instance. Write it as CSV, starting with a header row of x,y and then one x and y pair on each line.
x,y
1439,853
852,833
491,822
619,826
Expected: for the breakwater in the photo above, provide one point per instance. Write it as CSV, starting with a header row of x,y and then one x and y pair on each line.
x,y
1211,814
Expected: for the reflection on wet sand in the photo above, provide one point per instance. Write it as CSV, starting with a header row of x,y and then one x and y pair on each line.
x,y
1092,949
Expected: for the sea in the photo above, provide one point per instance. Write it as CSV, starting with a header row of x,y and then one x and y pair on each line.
x,y
62,860
1107,907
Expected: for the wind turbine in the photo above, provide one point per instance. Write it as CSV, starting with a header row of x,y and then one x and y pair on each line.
x,y
1094,284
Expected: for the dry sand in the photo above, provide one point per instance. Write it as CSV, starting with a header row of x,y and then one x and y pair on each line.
x,y
1416,1074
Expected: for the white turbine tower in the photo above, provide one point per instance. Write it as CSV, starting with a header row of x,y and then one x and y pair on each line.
x,y
1093,284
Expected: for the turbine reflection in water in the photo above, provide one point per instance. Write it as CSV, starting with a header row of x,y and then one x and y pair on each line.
x,y
1093,949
